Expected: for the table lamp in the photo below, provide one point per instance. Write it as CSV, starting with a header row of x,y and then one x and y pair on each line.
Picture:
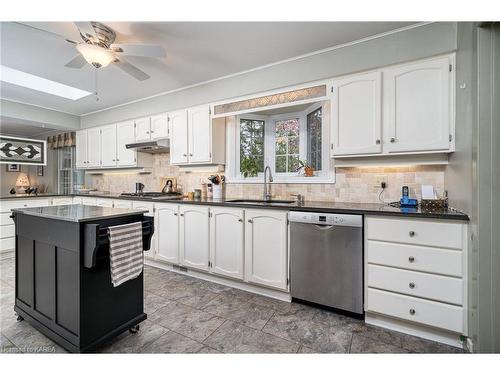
x,y
22,180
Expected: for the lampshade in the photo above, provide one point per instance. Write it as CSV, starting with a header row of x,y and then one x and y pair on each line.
x,y
96,55
22,180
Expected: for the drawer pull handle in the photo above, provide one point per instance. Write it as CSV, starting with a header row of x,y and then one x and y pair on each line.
x,y
411,259
411,233
412,311
250,221
411,285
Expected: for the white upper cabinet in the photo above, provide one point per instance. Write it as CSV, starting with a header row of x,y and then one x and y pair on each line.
x,y
227,242
93,148
143,129
81,149
167,218
199,134
418,104
178,137
108,146
159,126
266,248
125,134
356,115
194,237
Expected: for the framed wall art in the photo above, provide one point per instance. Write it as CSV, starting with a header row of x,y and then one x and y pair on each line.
x,y
13,168
14,150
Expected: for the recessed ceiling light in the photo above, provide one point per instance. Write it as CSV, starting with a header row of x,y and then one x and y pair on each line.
x,y
30,81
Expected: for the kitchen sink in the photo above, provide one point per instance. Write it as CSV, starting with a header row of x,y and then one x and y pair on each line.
x,y
259,201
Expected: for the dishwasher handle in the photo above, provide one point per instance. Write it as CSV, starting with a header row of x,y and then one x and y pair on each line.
x,y
323,227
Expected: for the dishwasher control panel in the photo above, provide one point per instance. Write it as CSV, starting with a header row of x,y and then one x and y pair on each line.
x,y
325,219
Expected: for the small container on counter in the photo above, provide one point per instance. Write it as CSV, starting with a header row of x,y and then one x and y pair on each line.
x,y
210,192
203,190
190,195
197,193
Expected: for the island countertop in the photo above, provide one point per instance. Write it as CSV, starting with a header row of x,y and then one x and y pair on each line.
x,y
79,212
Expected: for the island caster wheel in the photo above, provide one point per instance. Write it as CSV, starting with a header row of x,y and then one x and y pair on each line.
x,y
134,329
20,318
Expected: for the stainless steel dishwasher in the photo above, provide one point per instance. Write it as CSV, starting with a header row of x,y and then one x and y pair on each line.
x,y
326,259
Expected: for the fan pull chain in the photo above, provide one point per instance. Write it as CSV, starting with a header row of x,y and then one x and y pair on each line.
x,y
96,87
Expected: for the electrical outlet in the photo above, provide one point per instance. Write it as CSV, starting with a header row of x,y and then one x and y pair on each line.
x,y
383,184
379,180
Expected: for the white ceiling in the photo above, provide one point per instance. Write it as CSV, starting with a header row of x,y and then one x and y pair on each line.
x,y
196,52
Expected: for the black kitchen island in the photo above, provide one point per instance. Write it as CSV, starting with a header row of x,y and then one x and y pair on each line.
x,y
63,280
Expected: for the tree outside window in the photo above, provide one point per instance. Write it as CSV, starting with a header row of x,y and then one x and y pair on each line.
x,y
251,147
287,134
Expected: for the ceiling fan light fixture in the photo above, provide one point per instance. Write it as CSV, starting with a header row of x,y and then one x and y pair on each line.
x,y
95,55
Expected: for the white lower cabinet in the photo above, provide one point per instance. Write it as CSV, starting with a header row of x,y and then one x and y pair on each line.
x,y
266,248
120,203
194,236
167,232
227,242
104,202
91,201
140,205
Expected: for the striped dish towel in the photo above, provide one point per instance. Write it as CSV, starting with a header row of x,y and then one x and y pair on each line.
x,y
125,252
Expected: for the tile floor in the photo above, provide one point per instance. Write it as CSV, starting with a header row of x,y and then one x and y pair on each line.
x,y
188,315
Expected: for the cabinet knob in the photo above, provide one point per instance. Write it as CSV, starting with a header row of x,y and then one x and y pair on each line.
x,y
411,285
147,132
175,213
250,221
377,141
184,155
152,131
240,220
182,214
411,259
190,154
412,311
393,140
411,233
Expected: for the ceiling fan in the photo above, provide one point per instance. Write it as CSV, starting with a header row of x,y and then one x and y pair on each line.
x,y
99,50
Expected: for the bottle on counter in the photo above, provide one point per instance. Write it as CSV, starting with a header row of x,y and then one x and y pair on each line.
x,y
210,192
203,190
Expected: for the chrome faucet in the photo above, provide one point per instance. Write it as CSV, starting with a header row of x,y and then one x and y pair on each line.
x,y
267,187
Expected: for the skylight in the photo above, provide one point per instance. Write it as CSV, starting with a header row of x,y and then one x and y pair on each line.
x,y
30,81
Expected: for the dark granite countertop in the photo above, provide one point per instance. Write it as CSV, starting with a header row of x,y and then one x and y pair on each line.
x,y
21,196
78,212
312,206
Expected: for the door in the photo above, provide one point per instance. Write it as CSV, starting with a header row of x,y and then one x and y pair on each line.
x,y
356,115
199,134
81,149
266,248
167,229
227,242
194,236
159,126
418,102
178,137
142,129
108,146
93,147
140,205
125,134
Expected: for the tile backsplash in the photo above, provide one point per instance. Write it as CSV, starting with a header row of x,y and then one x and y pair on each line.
x,y
352,184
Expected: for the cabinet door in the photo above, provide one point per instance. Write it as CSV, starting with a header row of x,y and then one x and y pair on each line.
x,y
143,129
199,134
227,242
104,202
81,149
125,134
151,212
418,102
356,115
178,137
108,146
266,248
159,126
167,229
90,201
121,203
194,236
94,148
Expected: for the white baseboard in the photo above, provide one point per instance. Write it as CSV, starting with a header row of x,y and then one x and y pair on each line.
x,y
425,332
276,294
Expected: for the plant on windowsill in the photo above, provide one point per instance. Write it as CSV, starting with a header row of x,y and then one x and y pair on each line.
x,y
249,167
305,169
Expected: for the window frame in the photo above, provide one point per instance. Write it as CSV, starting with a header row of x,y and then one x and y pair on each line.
x,y
326,175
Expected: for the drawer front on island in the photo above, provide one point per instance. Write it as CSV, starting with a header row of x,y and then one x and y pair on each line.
x,y
418,310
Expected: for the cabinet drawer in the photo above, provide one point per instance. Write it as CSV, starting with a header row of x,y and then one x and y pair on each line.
x,y
5,218
7,230
431,313
417,258
7,243
415,232
418,284
6,206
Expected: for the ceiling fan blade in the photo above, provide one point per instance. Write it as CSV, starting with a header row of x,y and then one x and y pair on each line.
x,y
77,62
131,69
147,50
86,29
29,25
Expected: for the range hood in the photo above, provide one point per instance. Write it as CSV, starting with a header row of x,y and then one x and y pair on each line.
x,y
152,147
